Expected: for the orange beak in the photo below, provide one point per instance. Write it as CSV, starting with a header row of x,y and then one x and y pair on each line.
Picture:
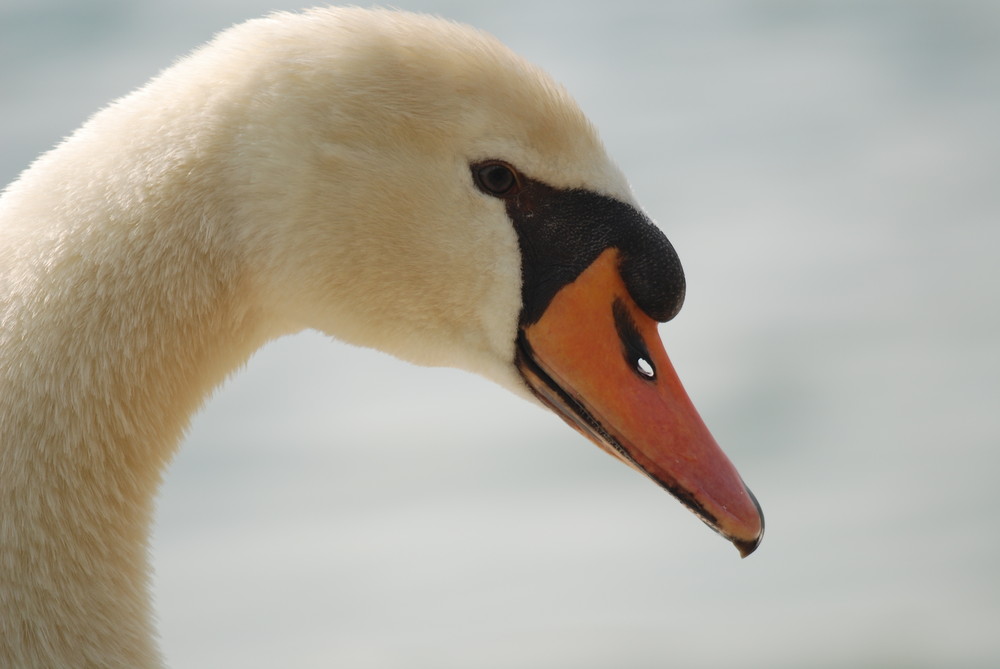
x,y
596,359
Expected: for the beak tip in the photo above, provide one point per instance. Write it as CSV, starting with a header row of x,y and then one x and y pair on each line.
x,y
748,546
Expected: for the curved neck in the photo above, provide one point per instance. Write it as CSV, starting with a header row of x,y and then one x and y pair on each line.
x,y
114,331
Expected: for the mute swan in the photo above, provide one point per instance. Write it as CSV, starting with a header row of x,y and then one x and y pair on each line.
x,y
393,180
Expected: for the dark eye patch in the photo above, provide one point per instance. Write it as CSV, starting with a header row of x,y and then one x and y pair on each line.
x,y
562,231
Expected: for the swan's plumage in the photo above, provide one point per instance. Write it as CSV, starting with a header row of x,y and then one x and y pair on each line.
x,y
301,171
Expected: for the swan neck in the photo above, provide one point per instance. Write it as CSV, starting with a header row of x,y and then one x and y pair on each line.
x,y
117,323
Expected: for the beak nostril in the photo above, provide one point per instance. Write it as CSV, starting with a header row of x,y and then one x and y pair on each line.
x,y
645,368
634,349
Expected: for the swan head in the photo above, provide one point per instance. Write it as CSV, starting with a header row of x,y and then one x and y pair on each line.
x,y
409,184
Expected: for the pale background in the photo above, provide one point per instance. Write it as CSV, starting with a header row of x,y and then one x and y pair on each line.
x,y
830,174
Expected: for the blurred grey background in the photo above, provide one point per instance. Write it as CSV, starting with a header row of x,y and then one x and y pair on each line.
x,y
830,174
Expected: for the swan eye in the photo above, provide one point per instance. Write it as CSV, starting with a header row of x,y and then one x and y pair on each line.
x,y
496,179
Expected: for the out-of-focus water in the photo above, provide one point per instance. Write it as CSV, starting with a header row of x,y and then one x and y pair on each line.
x,y
830,174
